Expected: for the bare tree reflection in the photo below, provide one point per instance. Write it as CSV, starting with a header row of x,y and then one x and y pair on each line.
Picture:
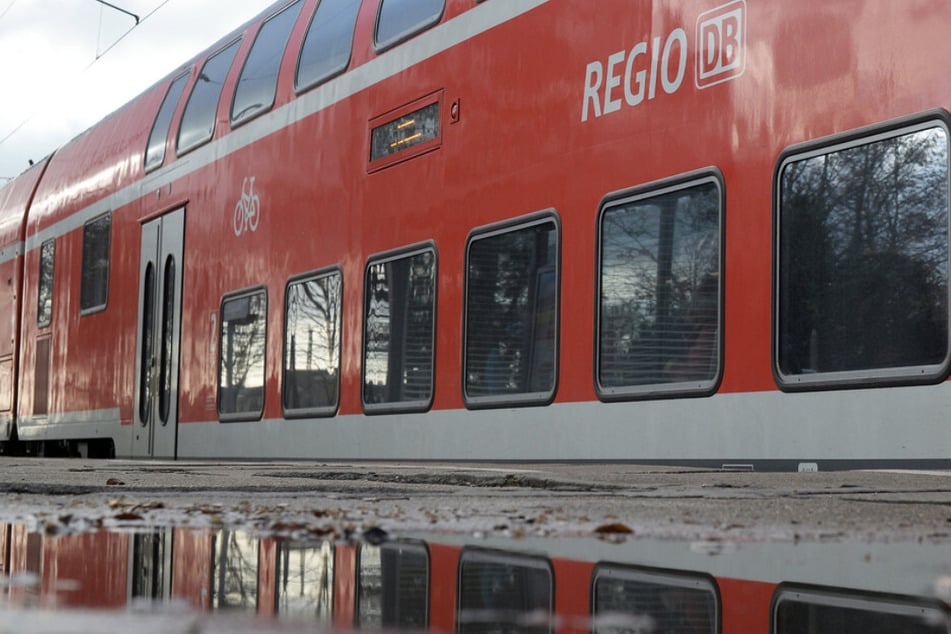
x,y
312,343
863,269
234,571
241,379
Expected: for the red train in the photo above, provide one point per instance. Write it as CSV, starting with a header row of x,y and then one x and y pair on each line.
x,y
686,231
539,586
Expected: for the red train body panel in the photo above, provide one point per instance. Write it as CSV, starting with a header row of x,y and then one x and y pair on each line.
x,y
552,114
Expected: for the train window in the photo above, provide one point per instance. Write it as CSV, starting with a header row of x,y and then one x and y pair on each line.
x,y
862,259
312,327
305,581
234,571
155,152
401,19
328,43
198,120
399,323
393,586
97,240
504,592
819,611
659,289
241,355
44,311
257,84
626,599
511,313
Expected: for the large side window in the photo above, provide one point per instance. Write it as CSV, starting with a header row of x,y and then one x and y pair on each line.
x,y
511,313
504,592
653,600
97,240
198,120
257,83
155,152
862,259
328,43
313,320
659,324
241,355
399,324
44,310
400,19
817,611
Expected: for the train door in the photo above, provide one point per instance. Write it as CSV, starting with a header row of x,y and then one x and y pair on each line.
x,y
157,344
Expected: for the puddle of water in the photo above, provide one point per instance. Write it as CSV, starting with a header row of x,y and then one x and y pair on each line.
x,y
450,582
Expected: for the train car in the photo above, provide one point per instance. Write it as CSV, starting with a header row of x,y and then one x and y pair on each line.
x,y
686,231
476,585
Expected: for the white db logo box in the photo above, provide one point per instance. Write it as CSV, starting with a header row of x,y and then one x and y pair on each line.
x,y
721,44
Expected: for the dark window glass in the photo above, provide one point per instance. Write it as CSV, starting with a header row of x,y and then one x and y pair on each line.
x,y
313,319
820,613
327,45
399,316
150,571
630,600
97,238
198,120
405,132
504,593
168,344
241,356
863,258
305,581
257,83
659,310
155,153
44,311
511,313
393,586
148,336
234,571
398,19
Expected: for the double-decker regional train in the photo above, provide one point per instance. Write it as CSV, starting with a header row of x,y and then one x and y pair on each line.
x,y
688,231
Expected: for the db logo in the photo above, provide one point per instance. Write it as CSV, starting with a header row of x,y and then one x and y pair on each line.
x,y
721,44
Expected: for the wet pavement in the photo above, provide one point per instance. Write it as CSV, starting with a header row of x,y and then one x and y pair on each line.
x,y
890,531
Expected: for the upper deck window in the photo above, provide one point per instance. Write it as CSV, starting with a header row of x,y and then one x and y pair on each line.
x,y
659,289
198,121
327,45
257,84
155,153
400,19
862,259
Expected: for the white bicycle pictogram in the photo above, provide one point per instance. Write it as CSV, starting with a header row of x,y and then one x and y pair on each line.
x,y
247,212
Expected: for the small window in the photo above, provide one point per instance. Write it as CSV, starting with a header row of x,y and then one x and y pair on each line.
x,y
155,153
257,83
511,314
819,611
313,322
44,311
305,581
399,325
97,238
198,120
862,259
328,43
241,354
503,592
393,587
653,601
659,285
400,19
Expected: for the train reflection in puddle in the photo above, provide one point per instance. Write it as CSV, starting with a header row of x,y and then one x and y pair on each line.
x,y
485,585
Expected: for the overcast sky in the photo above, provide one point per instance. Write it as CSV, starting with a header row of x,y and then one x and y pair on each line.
x,y
52,84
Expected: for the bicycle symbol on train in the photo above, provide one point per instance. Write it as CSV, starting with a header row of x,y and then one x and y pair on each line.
x,y
247,212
